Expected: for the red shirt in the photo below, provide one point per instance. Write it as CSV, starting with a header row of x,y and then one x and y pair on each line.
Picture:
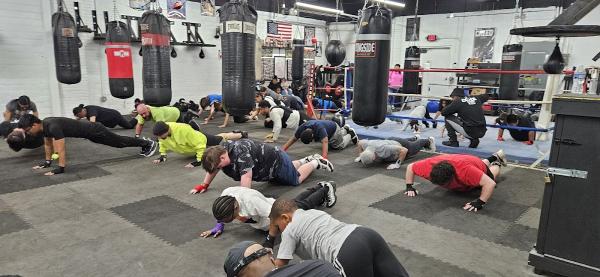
x,y
469,170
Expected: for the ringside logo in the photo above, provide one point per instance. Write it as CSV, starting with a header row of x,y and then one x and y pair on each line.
x,y
365,49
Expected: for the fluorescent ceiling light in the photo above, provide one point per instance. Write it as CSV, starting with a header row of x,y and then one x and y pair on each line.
x,y
391,3
310,7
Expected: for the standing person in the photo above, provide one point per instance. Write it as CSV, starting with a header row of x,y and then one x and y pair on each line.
x,y
513,120
395,82
460,173
108,117
56,129
246,161
328,132
250,259
19,107
280,117
183,139
469,119
165,114
250,206
394,150
19,140
356,251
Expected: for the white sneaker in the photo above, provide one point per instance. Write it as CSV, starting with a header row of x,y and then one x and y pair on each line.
x,y
432,147
323,163
501,157
331,198
357,160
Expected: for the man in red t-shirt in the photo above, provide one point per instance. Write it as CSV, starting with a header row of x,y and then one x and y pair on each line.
x,y
458,173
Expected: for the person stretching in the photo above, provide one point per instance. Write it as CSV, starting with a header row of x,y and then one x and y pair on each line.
x,y
280,117
394,150
56,129
460,173
108,117
329,133
215,102
181,138
513,120
356,251
246,161
250,206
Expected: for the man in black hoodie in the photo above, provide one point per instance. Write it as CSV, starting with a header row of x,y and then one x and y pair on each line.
x,y
465,116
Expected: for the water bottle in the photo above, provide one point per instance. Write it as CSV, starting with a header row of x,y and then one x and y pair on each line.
x,y
578,80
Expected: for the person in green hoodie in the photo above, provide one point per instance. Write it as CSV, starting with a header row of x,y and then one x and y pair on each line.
x,y
183,139
165,114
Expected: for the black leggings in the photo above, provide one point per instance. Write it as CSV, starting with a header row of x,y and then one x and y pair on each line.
x,y
188,118
311,198
127,124
366,254
102,135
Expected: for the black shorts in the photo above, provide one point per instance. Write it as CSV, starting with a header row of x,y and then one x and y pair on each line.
x,y
489,173
212,140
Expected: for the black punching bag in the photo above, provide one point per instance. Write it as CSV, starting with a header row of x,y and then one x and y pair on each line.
x,y
238,43
156,49
555,63
335,52
412,60
372,63
119,60
66,48
298,60
511,60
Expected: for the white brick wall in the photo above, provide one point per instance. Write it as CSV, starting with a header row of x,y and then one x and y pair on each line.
x,y
27,56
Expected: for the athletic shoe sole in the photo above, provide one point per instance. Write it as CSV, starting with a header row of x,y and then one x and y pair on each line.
x,y
352,134
501,157
331,196
325,164
432,146
152,149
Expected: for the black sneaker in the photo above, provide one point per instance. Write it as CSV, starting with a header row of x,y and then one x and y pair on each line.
x,y
352,133
450,143
149,150
474,143
331,198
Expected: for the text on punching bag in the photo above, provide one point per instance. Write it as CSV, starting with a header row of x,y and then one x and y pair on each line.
x,y
365,49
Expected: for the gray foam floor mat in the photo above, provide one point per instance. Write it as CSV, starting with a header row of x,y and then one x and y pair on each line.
x,y
418,265
11,222
171,220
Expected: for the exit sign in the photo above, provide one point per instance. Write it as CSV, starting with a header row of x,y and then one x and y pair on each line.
x,y
432,37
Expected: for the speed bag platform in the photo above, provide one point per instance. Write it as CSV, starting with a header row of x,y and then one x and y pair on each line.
x,y
238,43
66,48
372,63
156,48
119,60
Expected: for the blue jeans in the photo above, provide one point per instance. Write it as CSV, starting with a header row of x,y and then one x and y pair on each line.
x,y
287,175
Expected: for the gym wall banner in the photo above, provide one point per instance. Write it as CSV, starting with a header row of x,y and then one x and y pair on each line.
x,y
483,44
309,33
410,28
176,9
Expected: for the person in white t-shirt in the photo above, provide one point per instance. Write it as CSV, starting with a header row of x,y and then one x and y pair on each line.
x,y
354,250
280,117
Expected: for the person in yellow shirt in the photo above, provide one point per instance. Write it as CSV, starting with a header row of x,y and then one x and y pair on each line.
x,y
181,138
165,114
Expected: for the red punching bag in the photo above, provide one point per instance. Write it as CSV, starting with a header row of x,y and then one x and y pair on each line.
x,y
119,60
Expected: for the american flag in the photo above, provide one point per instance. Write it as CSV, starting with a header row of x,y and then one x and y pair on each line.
x,y
279,30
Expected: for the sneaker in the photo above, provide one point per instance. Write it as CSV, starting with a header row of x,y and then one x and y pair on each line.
x,y
474,143
309,159
323,163
431,146
352,134
331,198
501,158
149,150
450,143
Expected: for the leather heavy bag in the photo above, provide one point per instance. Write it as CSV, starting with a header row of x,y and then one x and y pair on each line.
x,y
511,60
119,60
66,48
335,52
412,60
372,58
298,60
156,48
238,35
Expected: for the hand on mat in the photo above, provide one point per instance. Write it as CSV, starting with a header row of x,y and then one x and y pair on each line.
x,y
215,232
157,161
269,136
190,165
269,141
474,205
201,188
393,166
500,139
357,160
410,191
528,142
222,126
49,173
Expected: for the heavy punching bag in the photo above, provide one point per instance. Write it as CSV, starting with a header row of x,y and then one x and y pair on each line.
x,y
118,59
238,35
156,48
335,52
298,60
511,60
412,60
66,47
372,58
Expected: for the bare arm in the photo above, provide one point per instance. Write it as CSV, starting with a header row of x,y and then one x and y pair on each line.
x,y
402,152
93,119
209,177
59,147
531,136
289,143
281,262
246,179
7,115
487,187
48,148
324,147
138,129
226,121
36,114
410,175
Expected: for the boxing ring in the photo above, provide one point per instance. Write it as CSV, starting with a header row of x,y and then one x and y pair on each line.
x,y
524,155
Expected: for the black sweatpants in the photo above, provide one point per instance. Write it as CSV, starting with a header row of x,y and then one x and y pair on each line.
x,y
455,125
311,198
366,254
102,135
188,118
413,146
127,124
